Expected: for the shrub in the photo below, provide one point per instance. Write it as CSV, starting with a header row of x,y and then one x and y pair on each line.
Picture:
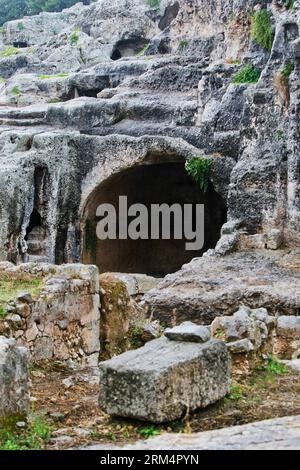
x,y
9,51
247,74
261,29
15,91
199,169
74,38
183,45
20,26
288,69
154,3
289,4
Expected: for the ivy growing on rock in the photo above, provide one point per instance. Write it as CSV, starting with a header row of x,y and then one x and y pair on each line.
x,y
199,169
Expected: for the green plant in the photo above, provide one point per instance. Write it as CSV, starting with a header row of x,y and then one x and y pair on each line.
x,y
149,432
11,286
20,26
59,75
289,4
34,436
183,45
199,169
247,74
275,367
3,312
74,38
154,3
279,135
142,51
235,393
9,51
261,29
15,91
288,69
2,81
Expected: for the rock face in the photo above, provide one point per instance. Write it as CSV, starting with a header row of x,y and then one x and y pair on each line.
x,y
155,86
164,379
215,286
14,396
62,322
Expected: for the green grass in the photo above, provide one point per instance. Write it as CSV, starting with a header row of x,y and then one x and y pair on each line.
x,y
142,51
149,432
21,26
154,3
199,169
236,392
184,43
261,29
279,135
33,437
288,69
15,91
247,74
9,51
59,75
74,38
12,285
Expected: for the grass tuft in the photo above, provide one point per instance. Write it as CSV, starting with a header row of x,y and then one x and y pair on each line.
x,y
261,29
247,74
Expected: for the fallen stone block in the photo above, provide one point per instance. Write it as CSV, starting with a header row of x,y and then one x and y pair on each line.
x,y
14,397
189,332
164,379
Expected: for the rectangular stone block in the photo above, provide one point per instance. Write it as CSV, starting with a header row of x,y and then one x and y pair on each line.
x,y
163,380
14,397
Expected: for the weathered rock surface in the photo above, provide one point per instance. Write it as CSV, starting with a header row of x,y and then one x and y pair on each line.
x,y
156,87
14,394
164,379
272,434
188,332
215,286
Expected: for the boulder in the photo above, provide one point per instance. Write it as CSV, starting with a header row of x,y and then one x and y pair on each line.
x,y
14,397
165,379
287,341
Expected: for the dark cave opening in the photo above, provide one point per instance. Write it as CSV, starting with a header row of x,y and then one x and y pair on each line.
x,y
128,48
163,183
20,44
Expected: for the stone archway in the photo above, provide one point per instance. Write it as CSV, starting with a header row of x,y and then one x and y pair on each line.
x,y
151,183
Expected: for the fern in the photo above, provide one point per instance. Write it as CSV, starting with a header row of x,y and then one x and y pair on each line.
x,y
199,169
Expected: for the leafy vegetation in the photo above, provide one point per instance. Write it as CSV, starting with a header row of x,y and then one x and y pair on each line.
x,y
33,437
261,29
183,45
247,74
199,169
21,26
289,4
149,432
154,3
15,91
2,81
272,367
142,51
59,75
9,51
12,285
15,9
74,38
279,135
288,69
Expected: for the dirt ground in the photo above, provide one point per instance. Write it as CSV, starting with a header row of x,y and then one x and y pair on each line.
x,y
69,400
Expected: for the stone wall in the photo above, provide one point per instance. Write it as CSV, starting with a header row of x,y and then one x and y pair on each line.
x,y
62,321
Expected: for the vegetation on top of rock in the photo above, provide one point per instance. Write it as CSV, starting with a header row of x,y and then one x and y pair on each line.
x,y
247,74
15,9
59,75
289,4
154,3
11,286
9,51
199,169
74,38
261,29
288,69
183,45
